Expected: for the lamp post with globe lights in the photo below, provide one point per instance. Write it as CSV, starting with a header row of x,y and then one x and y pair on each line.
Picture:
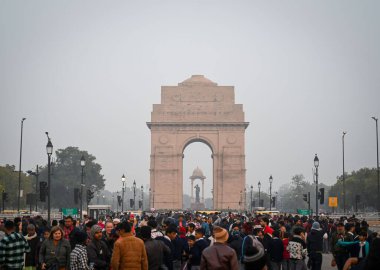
x,y
122,193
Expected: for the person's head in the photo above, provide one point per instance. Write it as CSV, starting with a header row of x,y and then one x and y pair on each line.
x,y
152,223
299,222
276,233
46,233
199,233
350,227
316,226
363,236
56,233
146,232
235,229
96,232
31,229
124,227
80,237
220,234
191,227
191,240
9,226
299,231
254,255
340,227
69,221
108,227
115,221
286,235
180,218
171,232
264,221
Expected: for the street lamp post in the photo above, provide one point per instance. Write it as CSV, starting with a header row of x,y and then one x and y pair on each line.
x,y
49,150
251,197
378,172
82,164
142,198
122,196
134,194
117,202
270,192
19,168
36,174
259,186
344,176
316,164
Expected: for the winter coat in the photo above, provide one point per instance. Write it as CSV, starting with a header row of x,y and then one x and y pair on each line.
x,y
99,254
31,258
155,251
219,257
314,241
50,254
297,248
275,250
129,253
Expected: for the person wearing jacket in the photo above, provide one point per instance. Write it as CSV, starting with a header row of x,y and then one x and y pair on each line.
x,y
155,249
129,251
78,257
315,246
275,251
285,255
31,260
97,251
55,250
297,249
235,240
358,249
219,256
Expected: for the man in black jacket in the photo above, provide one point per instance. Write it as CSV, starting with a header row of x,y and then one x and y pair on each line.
x,y
97,251
275,251
314,244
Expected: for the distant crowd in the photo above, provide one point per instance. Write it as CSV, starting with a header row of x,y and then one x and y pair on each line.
x,y
188,241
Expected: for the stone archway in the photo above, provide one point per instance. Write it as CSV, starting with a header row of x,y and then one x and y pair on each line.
x,y
197,110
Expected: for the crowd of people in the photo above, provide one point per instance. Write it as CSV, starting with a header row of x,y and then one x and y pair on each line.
x,y
188,241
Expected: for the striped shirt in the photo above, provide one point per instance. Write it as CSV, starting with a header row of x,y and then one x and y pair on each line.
x,y
12,249
78,258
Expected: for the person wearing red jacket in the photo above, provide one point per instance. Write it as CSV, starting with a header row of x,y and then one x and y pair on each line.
x,y
285,253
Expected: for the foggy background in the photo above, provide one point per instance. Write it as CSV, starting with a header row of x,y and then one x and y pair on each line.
x,y
88,72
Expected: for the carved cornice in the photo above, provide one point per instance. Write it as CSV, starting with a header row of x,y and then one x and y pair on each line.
x,y
187,125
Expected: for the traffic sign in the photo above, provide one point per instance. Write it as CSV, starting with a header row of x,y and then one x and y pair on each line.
x,y
333,201
69,211
304,212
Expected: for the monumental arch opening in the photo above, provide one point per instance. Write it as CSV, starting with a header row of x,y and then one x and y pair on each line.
x,y
197,110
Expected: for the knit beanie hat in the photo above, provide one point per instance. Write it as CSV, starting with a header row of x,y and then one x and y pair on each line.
x,y
253,250
316,226
220,235
95,229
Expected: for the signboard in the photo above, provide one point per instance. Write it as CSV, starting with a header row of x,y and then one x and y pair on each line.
x,y
69,211
333,201
304,212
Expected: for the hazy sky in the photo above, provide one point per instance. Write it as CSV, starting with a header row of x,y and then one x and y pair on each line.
x,y
89,71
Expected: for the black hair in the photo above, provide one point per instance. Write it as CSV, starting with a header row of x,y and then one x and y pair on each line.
x,y
200,230
276,233
69,217
124,226
171,229
9,225
266,220
298,230
145,232
152,223
192,225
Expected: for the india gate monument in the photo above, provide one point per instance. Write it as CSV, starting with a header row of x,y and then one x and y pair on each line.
x,y
197,110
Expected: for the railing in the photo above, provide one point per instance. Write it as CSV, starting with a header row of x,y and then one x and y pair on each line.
x,y
53,216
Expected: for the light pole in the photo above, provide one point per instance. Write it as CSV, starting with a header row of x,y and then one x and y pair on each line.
x,y
251,197
150,198
49,151
117,202
344,177
134,194
259,186
270,192
19,169
36,174
377,155
122,196
142,198
82,164
316,165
